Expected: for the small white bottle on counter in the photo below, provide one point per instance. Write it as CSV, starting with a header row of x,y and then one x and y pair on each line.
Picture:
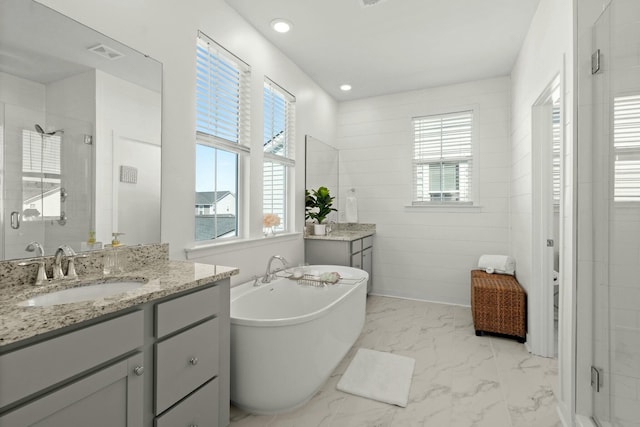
x,y
351,206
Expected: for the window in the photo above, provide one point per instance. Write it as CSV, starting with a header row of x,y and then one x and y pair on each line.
x,y
626,143
555,153
278,142
222,138
442,158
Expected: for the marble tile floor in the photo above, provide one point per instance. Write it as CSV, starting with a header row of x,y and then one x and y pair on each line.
x,y
459,380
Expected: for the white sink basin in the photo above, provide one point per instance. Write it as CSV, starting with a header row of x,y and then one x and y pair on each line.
x,y
81,293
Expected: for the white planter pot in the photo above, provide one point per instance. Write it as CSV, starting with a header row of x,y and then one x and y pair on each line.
x,y
319,229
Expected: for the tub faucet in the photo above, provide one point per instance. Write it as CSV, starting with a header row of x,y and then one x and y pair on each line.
x,y
270,275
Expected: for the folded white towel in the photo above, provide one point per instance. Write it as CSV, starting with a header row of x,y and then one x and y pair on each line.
x,y
497,264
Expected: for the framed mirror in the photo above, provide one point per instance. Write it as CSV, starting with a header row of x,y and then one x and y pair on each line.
x,y
80,135
321,169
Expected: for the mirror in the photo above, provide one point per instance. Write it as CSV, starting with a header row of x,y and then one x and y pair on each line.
x,y
321,169
80,126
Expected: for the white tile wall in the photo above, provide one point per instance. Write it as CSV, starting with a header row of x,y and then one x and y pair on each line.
x,y
426,254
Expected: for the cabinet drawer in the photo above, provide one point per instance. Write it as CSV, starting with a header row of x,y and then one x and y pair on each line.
x,y
41,365
184,362
200,409
183,311
356,246
367,242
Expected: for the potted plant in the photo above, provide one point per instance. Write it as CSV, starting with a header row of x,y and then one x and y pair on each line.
x,y
317,207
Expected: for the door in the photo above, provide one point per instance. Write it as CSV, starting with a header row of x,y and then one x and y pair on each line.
x,y
546,138
111,397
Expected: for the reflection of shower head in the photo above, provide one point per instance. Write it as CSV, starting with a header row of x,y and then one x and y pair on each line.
x,y
42,132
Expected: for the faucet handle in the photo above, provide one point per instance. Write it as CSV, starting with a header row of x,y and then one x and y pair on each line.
x,y
71,265
41,276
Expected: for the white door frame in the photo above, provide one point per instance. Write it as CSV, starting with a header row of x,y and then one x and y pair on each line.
x,y
541,291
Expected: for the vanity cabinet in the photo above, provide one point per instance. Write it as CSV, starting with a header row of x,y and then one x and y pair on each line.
x,y
162,363
72,366
190,359
357,253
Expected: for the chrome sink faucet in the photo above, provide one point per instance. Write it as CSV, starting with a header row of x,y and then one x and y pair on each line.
x,y
41,276
57,263
270,275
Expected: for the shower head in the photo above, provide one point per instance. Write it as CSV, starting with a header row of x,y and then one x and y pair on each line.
x,y
42,132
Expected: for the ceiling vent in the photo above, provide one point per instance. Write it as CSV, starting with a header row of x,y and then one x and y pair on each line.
x,y
106,52
368,3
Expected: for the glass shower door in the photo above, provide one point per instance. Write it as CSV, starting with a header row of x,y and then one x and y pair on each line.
x,y
616,396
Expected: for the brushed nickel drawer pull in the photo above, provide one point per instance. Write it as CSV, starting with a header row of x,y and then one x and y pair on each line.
x,y
193,361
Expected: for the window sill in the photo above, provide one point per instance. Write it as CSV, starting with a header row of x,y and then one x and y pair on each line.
x,y
200,250
443,207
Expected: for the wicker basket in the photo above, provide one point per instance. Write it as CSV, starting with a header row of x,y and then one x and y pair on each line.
x,y
498,305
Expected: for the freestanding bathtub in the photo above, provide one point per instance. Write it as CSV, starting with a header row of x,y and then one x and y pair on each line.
x,y
287,338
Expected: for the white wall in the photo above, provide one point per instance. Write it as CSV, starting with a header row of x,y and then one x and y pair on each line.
x,y
545,52
426,253
167,32
127,133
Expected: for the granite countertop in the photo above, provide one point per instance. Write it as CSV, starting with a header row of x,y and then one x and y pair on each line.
x,y
342,235
163,278
346,232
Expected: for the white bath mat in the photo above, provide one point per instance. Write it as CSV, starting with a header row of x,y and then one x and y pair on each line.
x,y
380,376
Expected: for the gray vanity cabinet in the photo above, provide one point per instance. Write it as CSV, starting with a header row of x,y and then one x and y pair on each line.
x,y
164,363
101,396
190,359
357,253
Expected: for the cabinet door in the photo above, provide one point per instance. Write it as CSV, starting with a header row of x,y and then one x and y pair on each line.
x,y
356,260
111,397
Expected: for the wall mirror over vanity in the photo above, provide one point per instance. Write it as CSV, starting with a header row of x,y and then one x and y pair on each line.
x,y
347,244
80,134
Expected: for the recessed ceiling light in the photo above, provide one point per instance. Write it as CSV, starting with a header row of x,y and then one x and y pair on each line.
x,y
345,88
281,25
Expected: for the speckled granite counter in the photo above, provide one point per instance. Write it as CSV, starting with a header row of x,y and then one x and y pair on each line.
x,y
346,232
163,277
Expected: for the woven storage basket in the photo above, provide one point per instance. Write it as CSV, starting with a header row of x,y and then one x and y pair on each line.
x,y
498,305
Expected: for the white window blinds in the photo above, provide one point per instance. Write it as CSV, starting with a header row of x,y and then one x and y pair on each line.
x,y
278,143
555,155
442,158
626,143
222,95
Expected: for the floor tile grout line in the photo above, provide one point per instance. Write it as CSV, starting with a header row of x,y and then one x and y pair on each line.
x,y
501,380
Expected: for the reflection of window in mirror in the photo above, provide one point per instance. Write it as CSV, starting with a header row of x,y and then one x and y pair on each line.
x,y
626,144
41,179
278,137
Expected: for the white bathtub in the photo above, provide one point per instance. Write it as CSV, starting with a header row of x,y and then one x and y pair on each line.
x,y
287,338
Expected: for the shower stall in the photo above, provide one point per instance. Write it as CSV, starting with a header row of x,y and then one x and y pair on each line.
x,y
609,202
46,171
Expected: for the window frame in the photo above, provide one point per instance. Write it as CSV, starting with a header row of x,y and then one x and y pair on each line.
x,y
473,159
240,148
286,159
